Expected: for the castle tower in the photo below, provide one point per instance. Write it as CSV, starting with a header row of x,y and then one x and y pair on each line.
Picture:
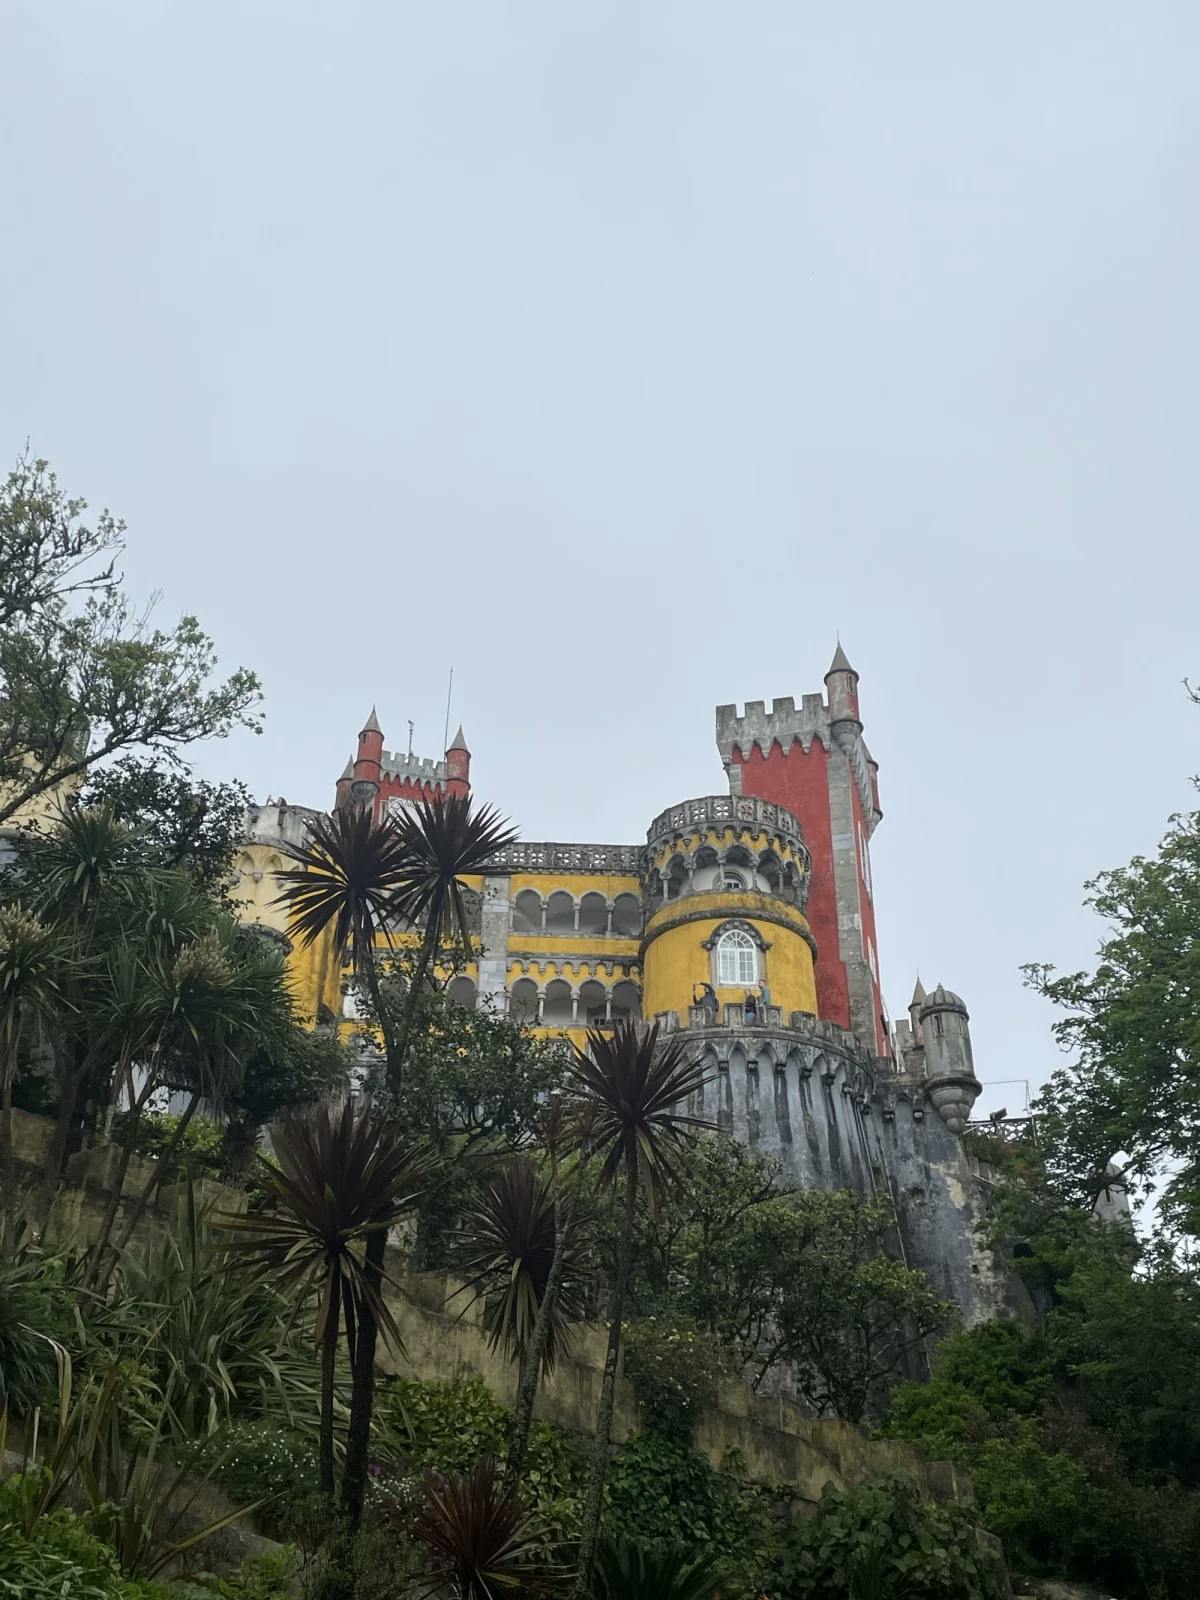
x,y
367,768
342,795
725,882
813,760
458,766
949,1065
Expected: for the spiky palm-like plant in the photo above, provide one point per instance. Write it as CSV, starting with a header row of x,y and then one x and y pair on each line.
x,y
442,840
628,1571
506,1251
481,1544
342,1178
634,1089
358,876
33,958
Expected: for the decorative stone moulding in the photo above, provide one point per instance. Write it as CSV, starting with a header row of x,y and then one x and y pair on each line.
x,y
953,1099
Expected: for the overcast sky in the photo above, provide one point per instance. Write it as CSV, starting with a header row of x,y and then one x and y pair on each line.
x,y
621,355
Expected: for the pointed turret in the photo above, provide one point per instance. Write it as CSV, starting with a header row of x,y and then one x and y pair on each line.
x,y
842,683
914,1009
367,768
458,766
343,786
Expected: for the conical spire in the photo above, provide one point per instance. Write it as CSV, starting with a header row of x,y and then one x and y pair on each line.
x,y
349,772
372,724
458,742
839,662
918,993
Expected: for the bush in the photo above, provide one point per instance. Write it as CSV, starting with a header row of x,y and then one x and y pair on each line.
x,y
62,1559
447,1426
675,1369
250,1459
199,1155
27,1363
881,1539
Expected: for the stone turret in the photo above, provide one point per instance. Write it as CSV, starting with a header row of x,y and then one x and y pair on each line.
x,y
343,786
841,682
914,1010
951,1083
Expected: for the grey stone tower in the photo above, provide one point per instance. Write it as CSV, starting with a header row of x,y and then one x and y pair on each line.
x,y
950,1078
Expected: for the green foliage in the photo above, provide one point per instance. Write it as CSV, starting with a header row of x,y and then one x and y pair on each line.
x,y
61,1560
443,1426
256,1457
881,1541
1081,1435
800,1279
196,1155
27,1323
186,821
83,674
675,1369
627,1571
1133,1028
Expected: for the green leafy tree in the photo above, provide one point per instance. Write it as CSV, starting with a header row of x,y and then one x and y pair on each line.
x,y
1133,1030
187,822
801,1279
83,673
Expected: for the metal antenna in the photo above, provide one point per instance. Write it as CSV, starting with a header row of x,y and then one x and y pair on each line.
x,y
411,725
449,690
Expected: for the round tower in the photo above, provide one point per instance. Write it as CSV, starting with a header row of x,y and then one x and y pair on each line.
x,y
343,786
949,1065
725,882
368,763
458,766
841,682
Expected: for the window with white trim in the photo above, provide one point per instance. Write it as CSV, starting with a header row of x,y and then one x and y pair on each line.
x,y
737,960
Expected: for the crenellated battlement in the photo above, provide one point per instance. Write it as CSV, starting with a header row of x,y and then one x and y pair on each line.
x,y
418,769
783,722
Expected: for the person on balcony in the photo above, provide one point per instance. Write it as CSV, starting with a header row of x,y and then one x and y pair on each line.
x,y
703,994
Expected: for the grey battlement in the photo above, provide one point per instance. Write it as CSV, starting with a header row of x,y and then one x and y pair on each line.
x,y
721,811
277,823
422,769
762,726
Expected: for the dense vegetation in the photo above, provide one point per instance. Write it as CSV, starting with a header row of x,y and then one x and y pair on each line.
x,y
236,1348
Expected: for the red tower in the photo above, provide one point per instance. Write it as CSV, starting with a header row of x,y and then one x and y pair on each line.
x,y
813,761
378,777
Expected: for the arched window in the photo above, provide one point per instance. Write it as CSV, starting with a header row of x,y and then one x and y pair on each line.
x,y
737,965
732,880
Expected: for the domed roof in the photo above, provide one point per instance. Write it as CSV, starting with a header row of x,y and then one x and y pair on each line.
x,y
943,999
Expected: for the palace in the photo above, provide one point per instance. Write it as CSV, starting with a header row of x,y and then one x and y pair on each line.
x,y
744,919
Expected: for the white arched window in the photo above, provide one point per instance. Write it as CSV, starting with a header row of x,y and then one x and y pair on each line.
x,y
737,965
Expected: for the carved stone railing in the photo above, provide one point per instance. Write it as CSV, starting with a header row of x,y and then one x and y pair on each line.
x,y
722,811
618,860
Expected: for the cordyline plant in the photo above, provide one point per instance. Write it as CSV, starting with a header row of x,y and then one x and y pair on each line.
x,y
341,1180
481,1543
360,877
635,1091
506,1251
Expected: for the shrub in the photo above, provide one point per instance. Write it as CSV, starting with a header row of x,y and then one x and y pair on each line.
x,y
199,1155
27,1364
250,1459
883,1539
675,1369
62,1559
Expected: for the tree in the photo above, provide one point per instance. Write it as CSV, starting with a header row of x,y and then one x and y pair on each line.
x,y
1133,1029
633,1088
83,674
185,821
47,554
795,1279
341,1177
507,1247
360,877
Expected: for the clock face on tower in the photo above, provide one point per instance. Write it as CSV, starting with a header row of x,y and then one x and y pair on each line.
x,y
397,806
